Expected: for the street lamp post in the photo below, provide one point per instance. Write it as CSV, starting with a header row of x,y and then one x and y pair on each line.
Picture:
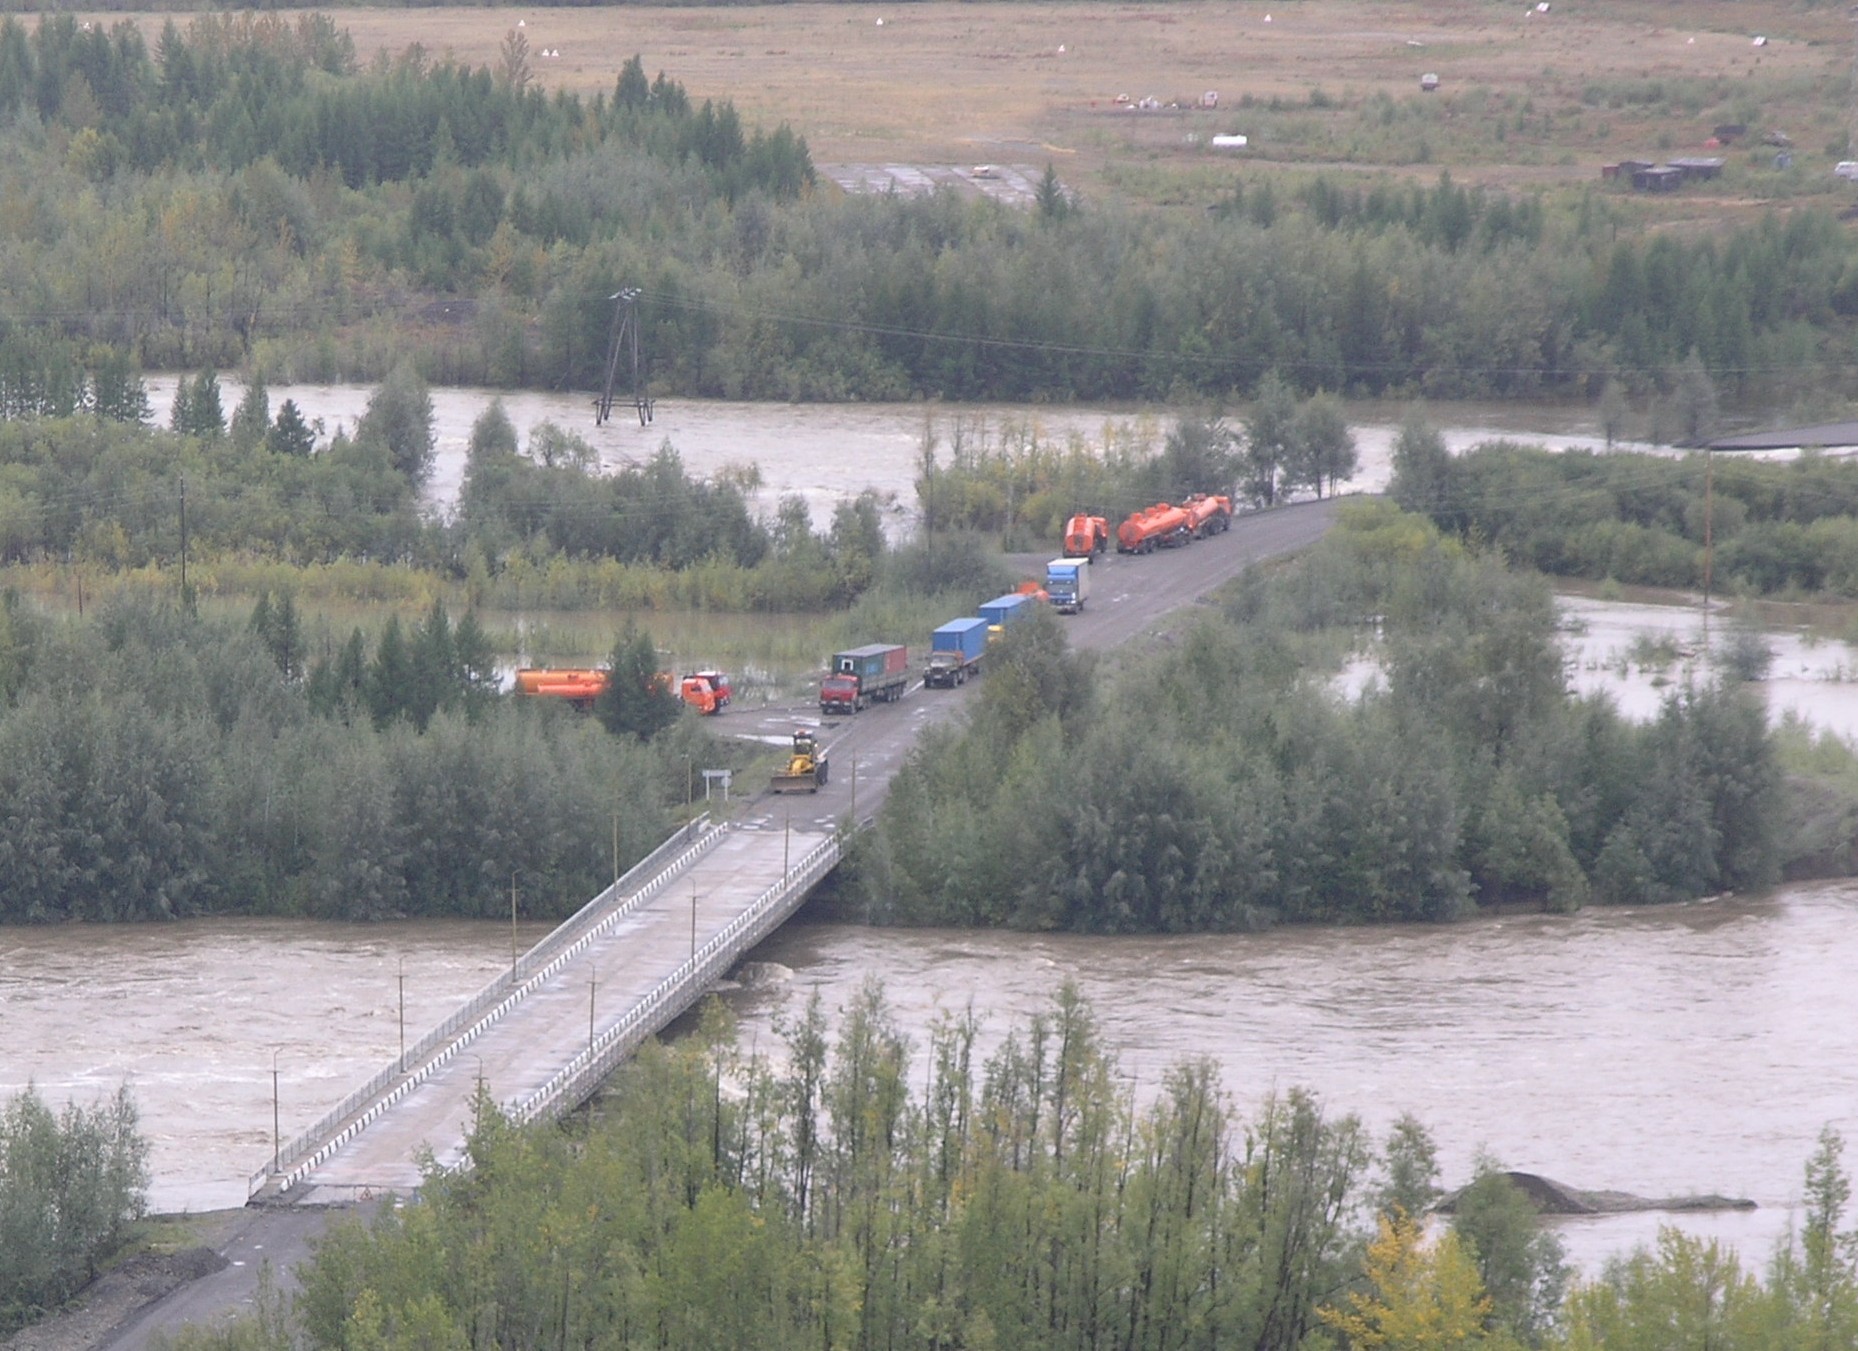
x,y
403,1015
277,1152
512,926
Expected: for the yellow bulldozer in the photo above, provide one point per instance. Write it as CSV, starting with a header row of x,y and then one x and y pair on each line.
x,y
806,766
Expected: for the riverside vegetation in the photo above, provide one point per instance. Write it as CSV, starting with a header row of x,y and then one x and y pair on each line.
x,y
816,1198
1762,528
1234,786
72,1185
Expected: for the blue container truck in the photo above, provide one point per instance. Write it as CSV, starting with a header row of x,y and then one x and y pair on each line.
x,y
955,652
1004,610
1067,584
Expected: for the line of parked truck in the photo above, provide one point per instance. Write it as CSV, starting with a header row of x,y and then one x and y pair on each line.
x,y
880,672
956,650
1162,526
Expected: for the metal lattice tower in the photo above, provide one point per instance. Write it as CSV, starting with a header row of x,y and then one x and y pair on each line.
x,y
625,336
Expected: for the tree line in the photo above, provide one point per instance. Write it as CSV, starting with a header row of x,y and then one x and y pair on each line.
x,y
159,764
1022,488
1760,528
261,484
1225,782
275,205
859,1189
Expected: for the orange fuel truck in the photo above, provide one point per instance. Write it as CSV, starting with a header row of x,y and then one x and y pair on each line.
x,y
1160,526
1086,536
1209,513
706,691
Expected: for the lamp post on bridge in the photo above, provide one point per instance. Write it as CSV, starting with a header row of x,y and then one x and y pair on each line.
x,y
403,1015
277,1152
512,926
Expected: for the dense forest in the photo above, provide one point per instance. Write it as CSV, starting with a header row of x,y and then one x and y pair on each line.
x,y
860,1189
158,764
1233,782
239,192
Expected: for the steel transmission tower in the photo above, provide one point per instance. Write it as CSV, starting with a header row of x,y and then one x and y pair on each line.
x,y
625,337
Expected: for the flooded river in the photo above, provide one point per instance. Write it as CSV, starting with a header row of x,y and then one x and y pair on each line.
x,y
1693,1049
826,453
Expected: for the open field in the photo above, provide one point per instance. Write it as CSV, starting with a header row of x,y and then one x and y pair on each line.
x,y
1524,98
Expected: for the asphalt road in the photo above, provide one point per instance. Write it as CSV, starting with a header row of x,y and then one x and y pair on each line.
x,y
1130,597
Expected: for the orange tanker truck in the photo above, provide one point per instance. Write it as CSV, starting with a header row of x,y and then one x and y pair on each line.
x,y
1160,526
1209,513
1086,536
706,691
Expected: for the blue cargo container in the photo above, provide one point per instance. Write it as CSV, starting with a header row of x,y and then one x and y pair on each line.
x,y
955,652
1003,610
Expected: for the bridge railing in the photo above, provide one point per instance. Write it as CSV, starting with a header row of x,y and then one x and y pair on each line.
x,y
355,1112
576,1081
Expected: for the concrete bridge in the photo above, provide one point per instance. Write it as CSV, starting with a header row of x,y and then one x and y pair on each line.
x,y
540,1040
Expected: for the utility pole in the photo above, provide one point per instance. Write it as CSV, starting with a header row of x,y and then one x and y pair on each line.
x,y
593,983
1709,513
512,927
693,919
277,1152
403,1015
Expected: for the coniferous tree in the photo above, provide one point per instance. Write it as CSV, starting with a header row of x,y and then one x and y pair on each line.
x,y
390,676
290,434
251,420
475,664
206,417
434,682
180,415
637,700
117,391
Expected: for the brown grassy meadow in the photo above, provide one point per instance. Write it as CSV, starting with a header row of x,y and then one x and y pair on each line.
x,y
1525,97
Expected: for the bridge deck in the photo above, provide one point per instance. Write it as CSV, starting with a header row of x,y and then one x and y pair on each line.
x,y
519,1052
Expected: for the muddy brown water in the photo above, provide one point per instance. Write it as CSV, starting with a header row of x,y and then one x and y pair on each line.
x,y
1697,1048
828,452
1692,1049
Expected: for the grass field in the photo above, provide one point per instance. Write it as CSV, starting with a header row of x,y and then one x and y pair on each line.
x,y
1525,97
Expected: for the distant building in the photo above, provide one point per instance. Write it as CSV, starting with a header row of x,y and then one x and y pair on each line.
x,y
1698,166
1658,178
